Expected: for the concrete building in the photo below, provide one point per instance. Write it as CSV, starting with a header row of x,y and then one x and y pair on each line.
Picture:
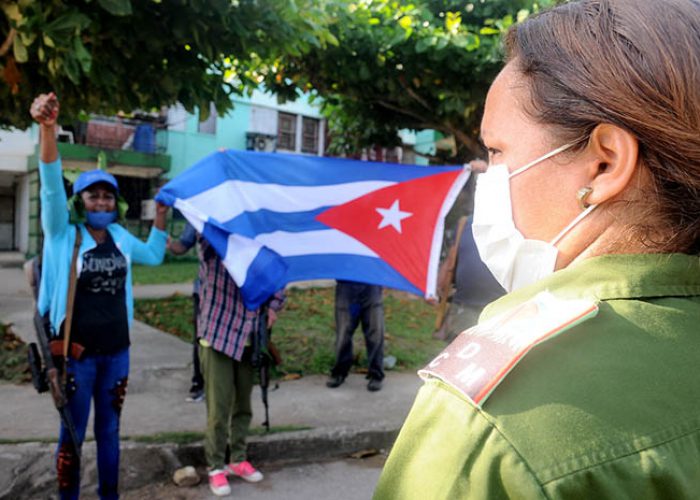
x,y
260,123
15,149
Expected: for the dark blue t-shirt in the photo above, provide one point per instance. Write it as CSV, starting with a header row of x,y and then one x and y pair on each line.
x,y
474,284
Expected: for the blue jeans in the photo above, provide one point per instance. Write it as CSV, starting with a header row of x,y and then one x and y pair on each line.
x,y
102,377
357,303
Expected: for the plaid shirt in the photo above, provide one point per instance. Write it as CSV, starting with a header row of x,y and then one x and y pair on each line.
x,y
224,322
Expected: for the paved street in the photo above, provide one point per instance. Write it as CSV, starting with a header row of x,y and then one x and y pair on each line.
x,y
349,479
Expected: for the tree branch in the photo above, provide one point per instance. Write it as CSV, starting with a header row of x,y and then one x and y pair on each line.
x,y
403,111
469,142
413,94
8,42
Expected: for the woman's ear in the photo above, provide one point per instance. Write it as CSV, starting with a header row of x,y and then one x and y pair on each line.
x,y
616,153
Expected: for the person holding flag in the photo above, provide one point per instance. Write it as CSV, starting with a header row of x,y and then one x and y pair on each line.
x,y
225,330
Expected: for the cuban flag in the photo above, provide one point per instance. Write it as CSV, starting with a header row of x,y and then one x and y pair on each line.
x,y
276,218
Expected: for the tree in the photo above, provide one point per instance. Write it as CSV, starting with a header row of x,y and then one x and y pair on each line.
x,y
425,64
110,55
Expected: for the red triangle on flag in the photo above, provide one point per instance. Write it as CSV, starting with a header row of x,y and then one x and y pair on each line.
x,y
397,222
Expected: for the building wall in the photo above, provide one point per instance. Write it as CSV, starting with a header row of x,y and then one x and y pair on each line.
x,y
15,147
186,144
22,214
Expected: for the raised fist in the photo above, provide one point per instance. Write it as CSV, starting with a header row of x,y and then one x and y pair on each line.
x,y
44,109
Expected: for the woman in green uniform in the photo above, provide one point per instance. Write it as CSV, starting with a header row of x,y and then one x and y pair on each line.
x,y
592,193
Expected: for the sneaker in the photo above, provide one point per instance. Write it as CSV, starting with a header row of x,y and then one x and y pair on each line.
x,y
335,381
196,396
245,471
374,385
218,484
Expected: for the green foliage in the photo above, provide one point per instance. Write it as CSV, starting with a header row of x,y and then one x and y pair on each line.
x,y
305,330
110,55
425,64
13,357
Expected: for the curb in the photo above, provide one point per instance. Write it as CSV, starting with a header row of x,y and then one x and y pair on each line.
x,y
29,472
302,446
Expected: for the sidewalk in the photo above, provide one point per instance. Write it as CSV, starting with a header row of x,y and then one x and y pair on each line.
x,y
339,421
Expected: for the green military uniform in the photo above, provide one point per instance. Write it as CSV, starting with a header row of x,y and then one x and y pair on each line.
x,y
607,409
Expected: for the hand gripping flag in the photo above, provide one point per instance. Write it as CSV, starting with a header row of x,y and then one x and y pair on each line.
x,y
275,218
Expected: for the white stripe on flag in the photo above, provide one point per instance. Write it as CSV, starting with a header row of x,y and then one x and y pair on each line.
x,y
231,198
193,215
240,252
328,241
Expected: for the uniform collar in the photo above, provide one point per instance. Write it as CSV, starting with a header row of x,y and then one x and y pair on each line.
x,y
609,277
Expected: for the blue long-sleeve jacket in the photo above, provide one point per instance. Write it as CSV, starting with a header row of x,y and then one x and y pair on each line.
x,y
59,238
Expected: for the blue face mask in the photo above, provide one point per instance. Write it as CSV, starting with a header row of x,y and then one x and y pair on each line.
x,y
100,220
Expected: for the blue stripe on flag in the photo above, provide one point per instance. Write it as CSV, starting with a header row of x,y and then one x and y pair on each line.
x,y
347,267
250,224
266,274
217,238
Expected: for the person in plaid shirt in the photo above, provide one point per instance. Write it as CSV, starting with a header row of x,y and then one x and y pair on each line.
x,y
225,328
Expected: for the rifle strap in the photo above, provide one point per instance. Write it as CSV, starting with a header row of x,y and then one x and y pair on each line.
x,y
72,285
446,278
460,230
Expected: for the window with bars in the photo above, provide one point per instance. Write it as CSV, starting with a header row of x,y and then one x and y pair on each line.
x,y
286,131
309,137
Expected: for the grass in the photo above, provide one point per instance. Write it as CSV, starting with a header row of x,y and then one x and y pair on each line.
x,y
172,315
168,272
305,330
14,367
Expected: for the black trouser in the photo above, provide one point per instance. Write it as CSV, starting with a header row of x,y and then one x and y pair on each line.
x,y
355,304
197,379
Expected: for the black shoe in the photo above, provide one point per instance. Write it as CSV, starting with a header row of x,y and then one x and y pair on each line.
x,y
335,381
196,396
374,385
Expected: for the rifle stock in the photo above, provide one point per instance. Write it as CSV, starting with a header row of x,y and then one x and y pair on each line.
x,y
446,276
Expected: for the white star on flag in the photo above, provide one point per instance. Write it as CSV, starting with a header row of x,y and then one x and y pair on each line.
x,y
392,216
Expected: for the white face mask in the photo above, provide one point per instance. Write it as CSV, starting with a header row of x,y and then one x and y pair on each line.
x,y
513,260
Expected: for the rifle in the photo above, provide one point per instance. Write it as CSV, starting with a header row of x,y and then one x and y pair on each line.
x,y
46,375
261,359
49,377
446,277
